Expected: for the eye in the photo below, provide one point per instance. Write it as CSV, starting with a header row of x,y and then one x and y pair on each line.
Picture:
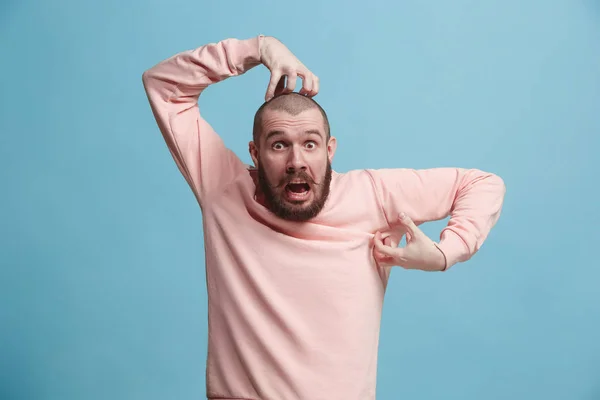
x,y
311,145
277,146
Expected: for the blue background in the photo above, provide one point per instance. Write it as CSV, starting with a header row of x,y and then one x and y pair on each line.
x,y
102,286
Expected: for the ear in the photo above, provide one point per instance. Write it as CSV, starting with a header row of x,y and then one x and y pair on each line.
x,y
331,147
253,149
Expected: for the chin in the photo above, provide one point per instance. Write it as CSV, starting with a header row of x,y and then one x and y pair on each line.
x,y
299,200
298,210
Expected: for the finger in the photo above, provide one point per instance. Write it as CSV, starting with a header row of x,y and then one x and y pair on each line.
x,y
280,86
411,228
291,82
307,84
315,88
275,77
385,235
382,258
389,240
382,248
384,261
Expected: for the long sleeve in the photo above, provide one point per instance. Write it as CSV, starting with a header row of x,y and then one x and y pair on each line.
x,y
472,198
173,87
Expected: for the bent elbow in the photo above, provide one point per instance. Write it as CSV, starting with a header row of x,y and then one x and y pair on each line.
x,y
499,182
146,77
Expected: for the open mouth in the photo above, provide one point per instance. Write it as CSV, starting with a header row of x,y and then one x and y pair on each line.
x,y
297,190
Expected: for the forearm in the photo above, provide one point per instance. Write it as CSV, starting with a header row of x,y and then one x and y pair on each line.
x,y
475,210
186,74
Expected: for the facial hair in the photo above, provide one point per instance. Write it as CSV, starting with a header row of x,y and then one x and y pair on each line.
x,y
295,212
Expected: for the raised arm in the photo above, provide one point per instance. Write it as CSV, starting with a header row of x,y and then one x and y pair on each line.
x,y
472,198
173,87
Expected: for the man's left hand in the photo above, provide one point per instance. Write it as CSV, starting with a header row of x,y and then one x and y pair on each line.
x,y
420,252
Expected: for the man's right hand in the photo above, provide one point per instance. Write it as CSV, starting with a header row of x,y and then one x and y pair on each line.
x,y
282,63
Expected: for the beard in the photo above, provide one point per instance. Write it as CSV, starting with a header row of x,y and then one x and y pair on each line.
x,y
295,211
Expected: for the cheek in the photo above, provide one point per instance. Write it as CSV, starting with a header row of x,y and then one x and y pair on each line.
x,y
319,166
272,168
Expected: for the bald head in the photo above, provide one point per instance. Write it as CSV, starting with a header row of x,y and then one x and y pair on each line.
x,y
292,103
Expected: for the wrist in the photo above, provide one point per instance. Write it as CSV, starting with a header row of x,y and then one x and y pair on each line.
x,y
453,247
442,263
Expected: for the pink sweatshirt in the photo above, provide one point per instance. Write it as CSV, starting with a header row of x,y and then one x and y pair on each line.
x,y
294,308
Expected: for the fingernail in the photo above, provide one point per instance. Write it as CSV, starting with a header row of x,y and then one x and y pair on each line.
x,y
402,215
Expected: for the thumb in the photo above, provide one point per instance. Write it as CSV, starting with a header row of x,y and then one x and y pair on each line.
x,y
407,222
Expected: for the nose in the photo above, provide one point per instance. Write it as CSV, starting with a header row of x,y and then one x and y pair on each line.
x,y
296,161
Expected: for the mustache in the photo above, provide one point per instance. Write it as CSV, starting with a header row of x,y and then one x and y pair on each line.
x,y
293,176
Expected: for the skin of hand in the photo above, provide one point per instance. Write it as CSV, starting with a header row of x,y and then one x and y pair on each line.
x,y
282,63
420,252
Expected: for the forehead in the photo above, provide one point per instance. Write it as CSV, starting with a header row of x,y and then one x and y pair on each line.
x,y
307,120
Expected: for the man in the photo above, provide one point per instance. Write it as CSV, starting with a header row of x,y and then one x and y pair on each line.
x,y
298,255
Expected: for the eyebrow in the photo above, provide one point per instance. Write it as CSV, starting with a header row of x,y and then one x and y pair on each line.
x,y
281,133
